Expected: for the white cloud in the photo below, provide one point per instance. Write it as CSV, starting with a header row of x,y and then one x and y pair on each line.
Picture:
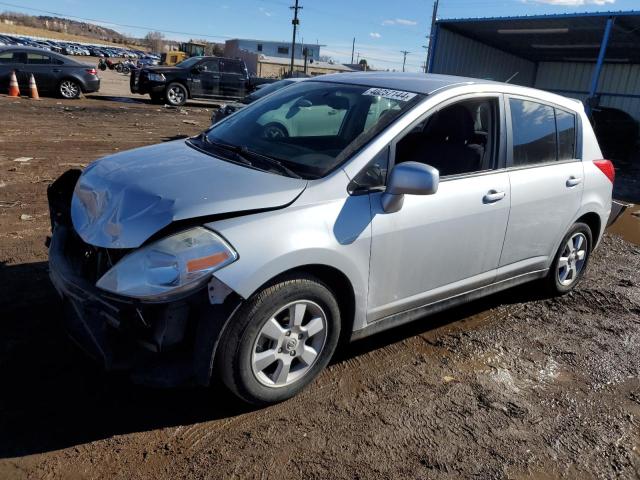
x,y
265,11
573,3
375,35
402,21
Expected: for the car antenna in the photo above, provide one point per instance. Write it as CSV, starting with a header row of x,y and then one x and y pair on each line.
x,y
508,80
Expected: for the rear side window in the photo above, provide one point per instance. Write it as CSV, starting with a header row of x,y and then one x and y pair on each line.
x,y
38,59
534,132
566,124
232,67
541,133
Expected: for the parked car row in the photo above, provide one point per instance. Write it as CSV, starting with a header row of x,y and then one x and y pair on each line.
x,y
74,48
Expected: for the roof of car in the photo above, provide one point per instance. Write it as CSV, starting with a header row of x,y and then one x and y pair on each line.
x,y
410,82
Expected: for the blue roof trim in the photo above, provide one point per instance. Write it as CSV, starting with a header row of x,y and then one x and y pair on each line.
x,y
551,16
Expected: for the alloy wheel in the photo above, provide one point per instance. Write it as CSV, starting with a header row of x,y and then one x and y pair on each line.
x,y
69,89
289,343
176,95
572,259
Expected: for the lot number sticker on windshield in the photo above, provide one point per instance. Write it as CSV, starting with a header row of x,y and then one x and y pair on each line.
x,y
392,94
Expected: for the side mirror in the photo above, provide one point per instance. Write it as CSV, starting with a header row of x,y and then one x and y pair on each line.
x,y
409,178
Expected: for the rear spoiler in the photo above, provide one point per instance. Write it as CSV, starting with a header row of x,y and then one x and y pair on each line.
x,y
617,209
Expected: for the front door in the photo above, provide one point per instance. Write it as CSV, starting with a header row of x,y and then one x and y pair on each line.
x,y
546,184
205,79
448,243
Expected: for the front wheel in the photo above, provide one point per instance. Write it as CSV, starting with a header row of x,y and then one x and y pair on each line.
x,y
176,94
69,89
571,260
280,340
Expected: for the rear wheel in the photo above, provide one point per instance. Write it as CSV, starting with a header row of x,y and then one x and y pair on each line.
x,y
69,89
176,94
571,259
280,340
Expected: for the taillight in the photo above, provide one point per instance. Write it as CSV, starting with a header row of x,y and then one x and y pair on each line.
x,y
606,167
91,71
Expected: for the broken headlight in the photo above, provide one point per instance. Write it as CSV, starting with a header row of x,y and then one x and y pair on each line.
x,y
172,265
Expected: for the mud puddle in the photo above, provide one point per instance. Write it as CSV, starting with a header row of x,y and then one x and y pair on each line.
x,y
628,225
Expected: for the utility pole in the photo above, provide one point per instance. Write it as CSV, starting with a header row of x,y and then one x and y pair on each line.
x,y
432,33
353,49
295,22
426,47
404,59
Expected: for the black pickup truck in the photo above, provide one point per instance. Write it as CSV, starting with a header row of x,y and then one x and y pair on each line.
x,y
195,77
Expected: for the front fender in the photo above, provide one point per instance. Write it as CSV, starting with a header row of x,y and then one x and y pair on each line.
x,y
335,233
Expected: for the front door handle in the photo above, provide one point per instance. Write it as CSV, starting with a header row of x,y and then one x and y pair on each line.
x,y
573,181
493,196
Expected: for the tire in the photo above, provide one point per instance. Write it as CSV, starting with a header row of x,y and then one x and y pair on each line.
x,y
274,130
119,68
568,265
256,348
69,89
176,94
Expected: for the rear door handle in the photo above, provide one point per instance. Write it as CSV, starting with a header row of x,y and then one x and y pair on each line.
x,y
573,181
493,196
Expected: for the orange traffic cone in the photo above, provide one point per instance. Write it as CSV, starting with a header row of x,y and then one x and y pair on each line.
x,y
33,89
14,90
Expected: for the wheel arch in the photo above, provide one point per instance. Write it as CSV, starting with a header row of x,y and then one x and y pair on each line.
x,y
337,282
592,220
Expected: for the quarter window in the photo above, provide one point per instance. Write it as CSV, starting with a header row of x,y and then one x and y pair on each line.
x,y
566,124
534,132
232,67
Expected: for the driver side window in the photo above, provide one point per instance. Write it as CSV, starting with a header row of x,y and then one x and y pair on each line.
x,y
458,139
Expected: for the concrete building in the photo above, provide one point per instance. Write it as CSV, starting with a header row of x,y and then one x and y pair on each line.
x,y
594,57
269,59
232,48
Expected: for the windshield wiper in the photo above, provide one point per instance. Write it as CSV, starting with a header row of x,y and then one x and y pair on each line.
x,y
202,137
270,160
242,151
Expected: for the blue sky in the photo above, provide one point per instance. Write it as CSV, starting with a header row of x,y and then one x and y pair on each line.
x,y
382,27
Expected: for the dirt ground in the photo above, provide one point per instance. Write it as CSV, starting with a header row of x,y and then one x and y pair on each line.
x,y
513,386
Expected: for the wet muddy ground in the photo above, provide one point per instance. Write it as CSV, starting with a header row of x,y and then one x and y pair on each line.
x,y
513,386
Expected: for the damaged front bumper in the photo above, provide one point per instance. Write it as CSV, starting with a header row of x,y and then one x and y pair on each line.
x,y
164,343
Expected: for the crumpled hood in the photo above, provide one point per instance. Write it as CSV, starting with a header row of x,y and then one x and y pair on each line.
x,y
122,200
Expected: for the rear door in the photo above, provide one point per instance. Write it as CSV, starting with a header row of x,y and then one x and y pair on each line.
x,y
546,179
45,69
234,78
205,79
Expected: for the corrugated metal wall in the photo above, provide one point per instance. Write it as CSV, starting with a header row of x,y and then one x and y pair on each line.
x,y
459,55
567,78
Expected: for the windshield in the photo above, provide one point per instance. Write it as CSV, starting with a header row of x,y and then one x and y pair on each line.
x,y
189,62
312,127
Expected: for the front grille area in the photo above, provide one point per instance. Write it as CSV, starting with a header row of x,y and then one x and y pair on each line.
x,y
91,262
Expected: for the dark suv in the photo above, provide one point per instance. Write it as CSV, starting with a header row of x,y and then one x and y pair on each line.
x,y
195,77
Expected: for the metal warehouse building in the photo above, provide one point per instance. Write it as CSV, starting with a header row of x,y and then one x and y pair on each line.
x,y
586,56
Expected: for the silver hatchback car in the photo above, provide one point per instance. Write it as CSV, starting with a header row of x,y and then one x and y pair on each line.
x,y
329,210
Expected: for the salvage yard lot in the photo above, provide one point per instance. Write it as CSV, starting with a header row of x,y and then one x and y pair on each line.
x,y
513,386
